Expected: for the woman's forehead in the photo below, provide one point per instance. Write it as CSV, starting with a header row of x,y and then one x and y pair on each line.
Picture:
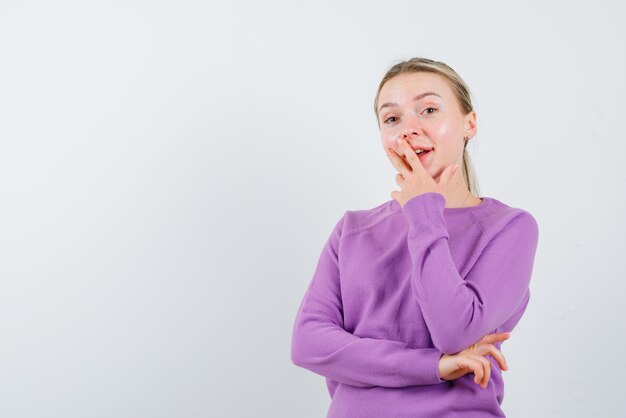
x,y
416,83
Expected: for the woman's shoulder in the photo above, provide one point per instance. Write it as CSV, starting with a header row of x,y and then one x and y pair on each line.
x,y
498,215
492,214
355,220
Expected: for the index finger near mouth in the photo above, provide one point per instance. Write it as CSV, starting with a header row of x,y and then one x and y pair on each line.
x,y
411,156
398,161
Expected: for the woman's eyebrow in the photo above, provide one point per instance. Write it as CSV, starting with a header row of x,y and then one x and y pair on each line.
x,y
418,97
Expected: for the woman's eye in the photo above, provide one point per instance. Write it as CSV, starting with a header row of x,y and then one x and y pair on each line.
x,y
389,119
430,108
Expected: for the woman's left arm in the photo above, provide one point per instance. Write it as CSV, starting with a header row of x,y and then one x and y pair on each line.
x,y
460,311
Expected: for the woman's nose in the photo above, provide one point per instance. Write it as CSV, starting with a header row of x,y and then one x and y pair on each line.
x,y
411,129
406,134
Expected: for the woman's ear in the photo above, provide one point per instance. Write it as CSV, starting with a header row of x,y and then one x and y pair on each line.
x,y
470,124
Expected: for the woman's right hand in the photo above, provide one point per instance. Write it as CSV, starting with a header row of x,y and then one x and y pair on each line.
x,y
453,366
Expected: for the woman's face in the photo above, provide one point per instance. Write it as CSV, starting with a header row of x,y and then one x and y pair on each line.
x,y
422,109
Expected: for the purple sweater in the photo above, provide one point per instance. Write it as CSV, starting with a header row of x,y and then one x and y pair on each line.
x,y
396,287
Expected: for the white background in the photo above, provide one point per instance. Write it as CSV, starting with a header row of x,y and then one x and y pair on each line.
x,y
169,173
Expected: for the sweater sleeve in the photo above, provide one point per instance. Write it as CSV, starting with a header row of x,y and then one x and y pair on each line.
x,y
459,311
321,344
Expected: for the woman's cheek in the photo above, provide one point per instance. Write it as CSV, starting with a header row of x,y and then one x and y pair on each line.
x,y
442,130
387,141
390,136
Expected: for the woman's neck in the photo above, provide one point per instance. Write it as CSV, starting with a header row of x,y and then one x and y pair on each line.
x,y
459,195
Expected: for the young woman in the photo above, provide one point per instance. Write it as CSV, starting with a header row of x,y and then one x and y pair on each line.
x,y
411,300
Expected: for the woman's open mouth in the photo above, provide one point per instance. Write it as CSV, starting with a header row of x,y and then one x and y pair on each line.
x,y
421,155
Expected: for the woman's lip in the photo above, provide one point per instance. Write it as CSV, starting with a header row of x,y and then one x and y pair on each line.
x,y
422,155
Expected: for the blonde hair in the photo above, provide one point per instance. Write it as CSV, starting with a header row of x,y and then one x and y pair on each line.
x,y
460,89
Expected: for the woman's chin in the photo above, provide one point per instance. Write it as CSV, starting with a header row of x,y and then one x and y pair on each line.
x,y
436,176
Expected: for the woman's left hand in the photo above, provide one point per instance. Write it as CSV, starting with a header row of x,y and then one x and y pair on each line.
x,y
413,179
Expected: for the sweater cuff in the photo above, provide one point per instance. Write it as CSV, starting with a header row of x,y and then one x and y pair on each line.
x,y
430,359
424,214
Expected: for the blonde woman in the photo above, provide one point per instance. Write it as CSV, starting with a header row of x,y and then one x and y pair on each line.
x,y
411,300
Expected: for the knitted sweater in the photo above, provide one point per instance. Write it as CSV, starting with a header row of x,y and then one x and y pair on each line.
x,y
397,286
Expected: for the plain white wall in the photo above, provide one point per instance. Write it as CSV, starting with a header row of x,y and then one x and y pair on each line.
x,y
169,172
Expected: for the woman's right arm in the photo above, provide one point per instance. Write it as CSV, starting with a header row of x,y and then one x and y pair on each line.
x,y
321,344
473,360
